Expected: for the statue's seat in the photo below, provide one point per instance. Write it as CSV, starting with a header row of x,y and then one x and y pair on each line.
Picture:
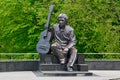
x,y
51,63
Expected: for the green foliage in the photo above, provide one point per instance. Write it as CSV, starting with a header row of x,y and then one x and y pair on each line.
x,y
19,56
96,24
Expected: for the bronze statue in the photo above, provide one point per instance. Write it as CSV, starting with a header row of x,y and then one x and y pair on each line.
x,y
64,37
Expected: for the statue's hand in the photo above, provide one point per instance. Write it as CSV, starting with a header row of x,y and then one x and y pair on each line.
x,y
66,49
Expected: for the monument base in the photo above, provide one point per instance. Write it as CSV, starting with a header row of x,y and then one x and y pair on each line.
x,y
51,67
64,73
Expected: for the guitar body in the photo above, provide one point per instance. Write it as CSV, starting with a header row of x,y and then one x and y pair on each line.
x,y
43,46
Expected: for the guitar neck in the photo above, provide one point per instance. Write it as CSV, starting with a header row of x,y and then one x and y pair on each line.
x,y
47,26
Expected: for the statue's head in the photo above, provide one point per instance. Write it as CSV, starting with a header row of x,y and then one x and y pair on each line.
x,y
62,19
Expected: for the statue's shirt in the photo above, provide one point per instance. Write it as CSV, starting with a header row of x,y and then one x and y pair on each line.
x,y
64,36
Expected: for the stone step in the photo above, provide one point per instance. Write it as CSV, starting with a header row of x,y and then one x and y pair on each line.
x,y
58,67
54,60
65,73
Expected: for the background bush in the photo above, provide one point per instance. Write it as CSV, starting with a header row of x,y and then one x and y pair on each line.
x,y
96,24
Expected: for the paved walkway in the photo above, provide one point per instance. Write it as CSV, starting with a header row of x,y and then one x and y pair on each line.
x,y
34,75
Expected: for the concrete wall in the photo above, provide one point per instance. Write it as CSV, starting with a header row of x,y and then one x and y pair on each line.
x,y
34,65
103,65
18,66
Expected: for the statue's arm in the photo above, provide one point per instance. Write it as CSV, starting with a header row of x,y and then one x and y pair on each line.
x,y
72,40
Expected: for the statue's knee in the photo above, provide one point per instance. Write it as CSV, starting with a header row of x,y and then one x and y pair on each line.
x,y
74,50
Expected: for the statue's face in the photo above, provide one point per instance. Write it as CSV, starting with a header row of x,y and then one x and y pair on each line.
x,y
62,22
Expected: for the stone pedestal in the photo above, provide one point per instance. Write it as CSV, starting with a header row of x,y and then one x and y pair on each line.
x,y
51,66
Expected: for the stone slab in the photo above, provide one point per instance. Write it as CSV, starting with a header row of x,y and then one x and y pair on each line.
x,y
65,73
58,67
54,60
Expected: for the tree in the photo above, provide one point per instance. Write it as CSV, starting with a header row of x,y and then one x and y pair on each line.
x,y
96,23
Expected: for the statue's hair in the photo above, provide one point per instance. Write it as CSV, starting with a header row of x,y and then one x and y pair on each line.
x,y
62,15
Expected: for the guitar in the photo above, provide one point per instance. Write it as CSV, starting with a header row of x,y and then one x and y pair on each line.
x,y
43,46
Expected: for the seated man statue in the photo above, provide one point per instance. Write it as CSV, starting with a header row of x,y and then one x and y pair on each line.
x,y
64,38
